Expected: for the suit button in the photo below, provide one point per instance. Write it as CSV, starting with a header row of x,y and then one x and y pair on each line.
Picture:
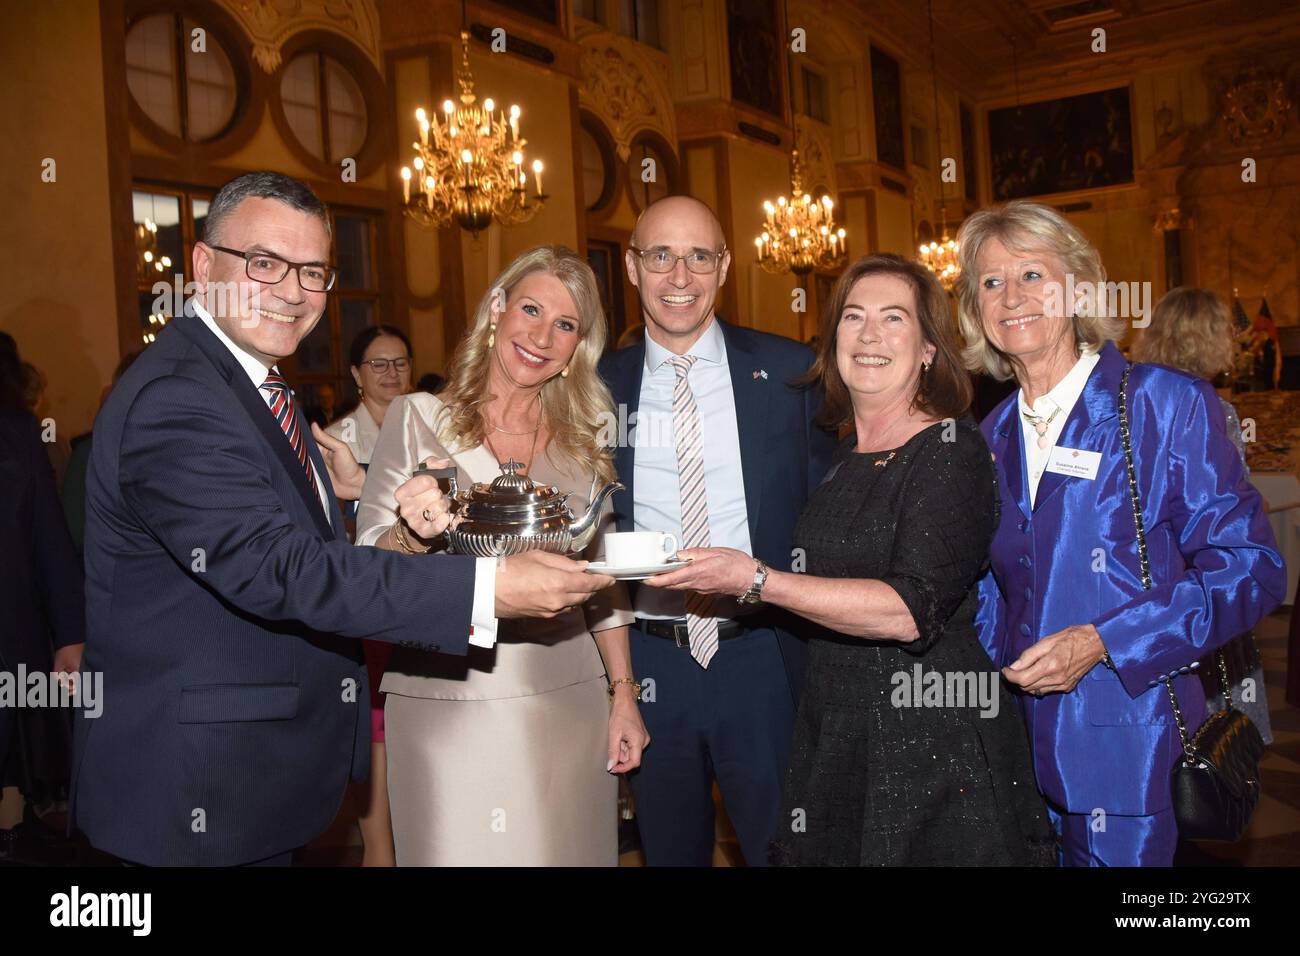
x,y
1029,594
1024,526
1025,562
1024,629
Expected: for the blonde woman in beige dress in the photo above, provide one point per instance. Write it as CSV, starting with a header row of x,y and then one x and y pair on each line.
x,y
509,755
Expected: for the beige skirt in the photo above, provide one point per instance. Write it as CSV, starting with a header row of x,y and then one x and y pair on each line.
x,y
518,781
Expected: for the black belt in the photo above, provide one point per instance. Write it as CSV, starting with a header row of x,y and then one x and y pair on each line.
x,y
676,630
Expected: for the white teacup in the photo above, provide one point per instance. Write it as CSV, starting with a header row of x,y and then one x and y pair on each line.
x,y
637,549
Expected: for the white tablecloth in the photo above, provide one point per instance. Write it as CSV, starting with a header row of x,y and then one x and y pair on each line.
x,y
1279,488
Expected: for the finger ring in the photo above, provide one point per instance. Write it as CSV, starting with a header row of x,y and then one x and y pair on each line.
x,y
427,516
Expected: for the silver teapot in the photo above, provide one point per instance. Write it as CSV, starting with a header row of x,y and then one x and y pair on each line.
x,y
512,514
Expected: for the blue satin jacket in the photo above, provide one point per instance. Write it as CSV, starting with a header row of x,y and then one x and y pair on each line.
x,y
1072,559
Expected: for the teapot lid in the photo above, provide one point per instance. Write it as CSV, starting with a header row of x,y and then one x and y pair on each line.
x,y
512,493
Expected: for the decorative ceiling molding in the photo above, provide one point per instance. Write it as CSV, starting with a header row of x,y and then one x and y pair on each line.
x,y
269,23
626,86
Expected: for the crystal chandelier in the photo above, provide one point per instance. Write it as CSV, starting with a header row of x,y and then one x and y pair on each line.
x,y
940,257
469,166
799,234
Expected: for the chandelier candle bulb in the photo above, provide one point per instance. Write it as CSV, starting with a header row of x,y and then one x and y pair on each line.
x,y
537,174
406,185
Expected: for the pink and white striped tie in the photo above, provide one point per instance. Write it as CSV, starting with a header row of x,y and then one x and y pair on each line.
x,y
702,629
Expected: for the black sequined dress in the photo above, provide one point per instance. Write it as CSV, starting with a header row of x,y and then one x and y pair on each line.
x,y
874,778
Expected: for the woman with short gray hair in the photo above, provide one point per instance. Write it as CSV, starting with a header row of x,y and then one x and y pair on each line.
x,y
1130,543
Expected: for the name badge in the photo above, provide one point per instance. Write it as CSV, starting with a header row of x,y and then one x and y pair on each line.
x,y
1074,462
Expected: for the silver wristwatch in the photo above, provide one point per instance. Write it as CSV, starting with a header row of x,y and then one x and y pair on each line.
x,y
755,592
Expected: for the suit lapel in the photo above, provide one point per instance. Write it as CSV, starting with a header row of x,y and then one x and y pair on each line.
x,y
625,388
260,415
751,394
1097,404
1009,450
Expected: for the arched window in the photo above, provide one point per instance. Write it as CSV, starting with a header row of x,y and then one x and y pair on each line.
x,y
598,181
324,106
181,77
652,172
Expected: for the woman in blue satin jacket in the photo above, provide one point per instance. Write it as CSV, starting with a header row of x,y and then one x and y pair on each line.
x,y
1063,610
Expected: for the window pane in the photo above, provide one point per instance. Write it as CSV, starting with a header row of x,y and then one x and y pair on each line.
x,y
158,245
354,316
593,169
150,308
151,70
314,351
646,13
200,213
211,87
352,247
300,95
659,187
347,112
814,95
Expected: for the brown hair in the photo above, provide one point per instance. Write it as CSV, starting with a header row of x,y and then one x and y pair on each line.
x,y
944,391
1190,329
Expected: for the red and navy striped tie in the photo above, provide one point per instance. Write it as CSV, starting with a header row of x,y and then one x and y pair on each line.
x,y
283,410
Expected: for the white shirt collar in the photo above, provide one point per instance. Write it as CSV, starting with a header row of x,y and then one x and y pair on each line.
x,y
255,367
709,347
1066,392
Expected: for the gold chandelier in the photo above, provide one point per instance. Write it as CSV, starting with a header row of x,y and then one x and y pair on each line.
x,y
469,166
941,258
152,261
800,234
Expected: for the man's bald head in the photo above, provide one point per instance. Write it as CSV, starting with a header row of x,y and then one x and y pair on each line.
x,y
677,305
685,210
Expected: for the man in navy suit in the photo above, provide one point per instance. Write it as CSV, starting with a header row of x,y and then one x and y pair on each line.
x,y
724,449
223,598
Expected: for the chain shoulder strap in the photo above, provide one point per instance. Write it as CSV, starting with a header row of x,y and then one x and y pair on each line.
x,y
1126,435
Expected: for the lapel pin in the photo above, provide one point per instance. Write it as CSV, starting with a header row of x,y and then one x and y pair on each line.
x,y
760,373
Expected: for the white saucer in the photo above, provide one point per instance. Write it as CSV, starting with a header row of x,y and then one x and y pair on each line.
x,y
635,573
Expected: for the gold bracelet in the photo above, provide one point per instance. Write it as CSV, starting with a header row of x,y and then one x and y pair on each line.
x,y
399,535
625,680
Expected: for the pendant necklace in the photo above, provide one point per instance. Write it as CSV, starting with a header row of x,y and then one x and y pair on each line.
x,y
1041,424
532,453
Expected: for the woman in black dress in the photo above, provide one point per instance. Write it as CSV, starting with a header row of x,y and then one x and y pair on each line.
x,y
907,748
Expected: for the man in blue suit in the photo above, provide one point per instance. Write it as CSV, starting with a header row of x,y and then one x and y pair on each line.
x,y
724,449
223,598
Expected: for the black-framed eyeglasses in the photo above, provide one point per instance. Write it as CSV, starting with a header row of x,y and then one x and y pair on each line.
x,y
699,261
380,365
264,267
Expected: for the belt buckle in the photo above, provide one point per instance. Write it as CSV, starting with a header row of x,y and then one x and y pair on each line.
x,y
681,635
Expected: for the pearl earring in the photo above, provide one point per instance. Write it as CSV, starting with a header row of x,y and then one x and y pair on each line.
x,y
564,372
492,335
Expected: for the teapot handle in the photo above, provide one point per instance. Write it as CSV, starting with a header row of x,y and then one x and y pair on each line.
x,y
446,478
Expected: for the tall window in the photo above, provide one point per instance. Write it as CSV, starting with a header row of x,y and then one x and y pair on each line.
x,y
167,223
324,106
814,95
180,77
353,304
650,173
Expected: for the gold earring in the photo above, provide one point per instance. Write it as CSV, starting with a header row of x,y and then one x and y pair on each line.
x,y
492,335
564,372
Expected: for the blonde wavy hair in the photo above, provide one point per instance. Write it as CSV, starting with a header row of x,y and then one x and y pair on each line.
x,y
1190,329
574,406
1025,227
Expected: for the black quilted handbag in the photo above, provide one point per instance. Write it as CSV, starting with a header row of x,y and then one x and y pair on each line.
x,y
1216,783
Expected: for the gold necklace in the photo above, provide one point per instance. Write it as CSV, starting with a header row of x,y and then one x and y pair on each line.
x,y
498,428
532,452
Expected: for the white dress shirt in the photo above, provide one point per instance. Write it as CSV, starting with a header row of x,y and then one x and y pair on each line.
x,y
482,616
1060,400
658,501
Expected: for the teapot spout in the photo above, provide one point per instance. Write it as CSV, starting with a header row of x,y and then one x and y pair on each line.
x,y
583,529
